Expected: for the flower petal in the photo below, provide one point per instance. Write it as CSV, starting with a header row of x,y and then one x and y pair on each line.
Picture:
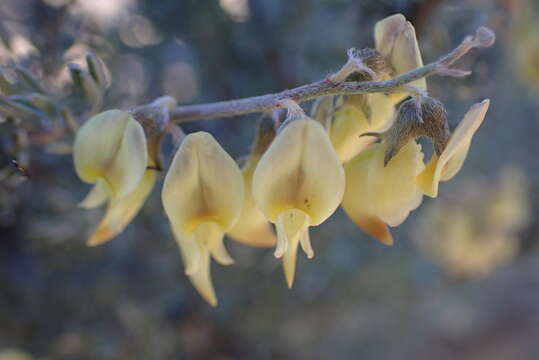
x,y
97,196
201,279
203,184
345,130
121,211
374,227
292,228
111,146
386,32
210,235
376,194
191,251
449,163
406,55
393,188
300,170
252,228
395,38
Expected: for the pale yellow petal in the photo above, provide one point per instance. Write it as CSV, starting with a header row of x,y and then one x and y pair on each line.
x,y
203,184
252,228
191,251
99,194
120,212
292,228
382,110
374,227
111,146
386,32
300,170
305,242
289,265
376,194
210,235
346,127
449,163
406,55
130,162
393,189
196,250
201,279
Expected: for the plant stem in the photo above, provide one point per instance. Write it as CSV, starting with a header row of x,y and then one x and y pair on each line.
x,y
484,37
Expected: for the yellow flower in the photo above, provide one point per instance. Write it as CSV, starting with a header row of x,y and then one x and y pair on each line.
x,y
377,195
299,182
448,164
253,228
396,41
203,196
110,151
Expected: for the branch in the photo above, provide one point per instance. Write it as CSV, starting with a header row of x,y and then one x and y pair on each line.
x,y
484,37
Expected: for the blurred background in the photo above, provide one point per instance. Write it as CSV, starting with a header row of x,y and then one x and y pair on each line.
x,y
462,280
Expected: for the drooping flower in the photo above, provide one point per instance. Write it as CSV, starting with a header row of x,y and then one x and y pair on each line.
x,y
203,196
387,181
445,166
377,195
110,151
397,52
299,182
253,228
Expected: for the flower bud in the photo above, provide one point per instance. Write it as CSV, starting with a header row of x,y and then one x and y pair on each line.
x,y
444,166
203,195
253,228
299,182
111,147
377,195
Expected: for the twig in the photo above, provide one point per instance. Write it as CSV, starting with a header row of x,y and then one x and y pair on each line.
x,y
484,37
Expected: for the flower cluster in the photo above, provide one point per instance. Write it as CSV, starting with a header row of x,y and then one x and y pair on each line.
x,y
357,151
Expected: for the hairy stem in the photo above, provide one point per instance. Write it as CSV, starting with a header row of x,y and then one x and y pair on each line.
x,y
484,37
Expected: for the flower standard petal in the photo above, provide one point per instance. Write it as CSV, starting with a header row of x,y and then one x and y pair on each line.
x,y
203,184
449,163
111,146
300,170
